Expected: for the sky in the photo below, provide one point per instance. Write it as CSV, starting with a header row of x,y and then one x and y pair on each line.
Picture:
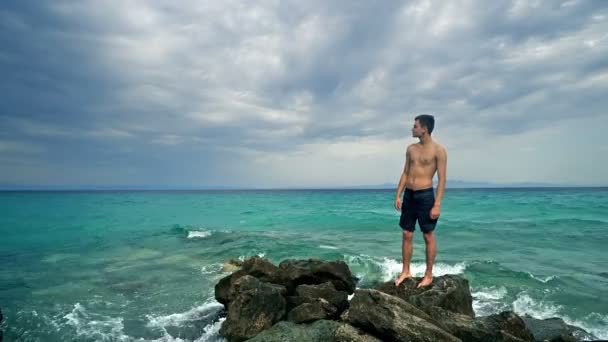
x,y
192,94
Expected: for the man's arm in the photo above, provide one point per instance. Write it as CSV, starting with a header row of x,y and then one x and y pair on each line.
x,y
442,162
403,179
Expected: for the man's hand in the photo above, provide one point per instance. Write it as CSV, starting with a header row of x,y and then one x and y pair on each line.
x,y
434,214
398,204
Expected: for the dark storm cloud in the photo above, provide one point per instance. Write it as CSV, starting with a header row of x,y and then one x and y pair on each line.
x,y
212,85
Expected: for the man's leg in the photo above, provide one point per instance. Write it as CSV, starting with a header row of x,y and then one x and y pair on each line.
x,y
407,247
431,251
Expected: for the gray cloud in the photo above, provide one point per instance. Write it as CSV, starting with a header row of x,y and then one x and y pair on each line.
x,y
234,94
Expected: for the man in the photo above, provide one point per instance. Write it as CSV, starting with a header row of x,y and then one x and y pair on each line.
x,y
422,160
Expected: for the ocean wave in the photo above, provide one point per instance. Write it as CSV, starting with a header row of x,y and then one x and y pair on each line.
x,y
327,247
370,268
205,311
489,300
542,280
198,234
244,257
594,323
96,326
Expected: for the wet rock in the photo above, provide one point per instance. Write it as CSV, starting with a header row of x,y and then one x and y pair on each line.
x,y
393,319
327,291
555,329
255,307
450,292
312,311
314,271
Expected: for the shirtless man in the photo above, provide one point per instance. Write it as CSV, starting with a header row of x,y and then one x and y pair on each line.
x,y
422,160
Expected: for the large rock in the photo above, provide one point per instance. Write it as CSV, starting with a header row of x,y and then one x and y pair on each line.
x,y
327,291
348,333
256,306
555,330
462,326
314,271
286,331
450,292
392,319
505,326
232,265
312,311
255,266
322,330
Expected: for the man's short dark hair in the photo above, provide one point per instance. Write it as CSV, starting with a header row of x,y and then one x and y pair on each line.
x,y
427,121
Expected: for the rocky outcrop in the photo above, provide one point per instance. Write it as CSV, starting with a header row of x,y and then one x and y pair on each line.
x,y
255,307
555,330
307,300
392,318
449,292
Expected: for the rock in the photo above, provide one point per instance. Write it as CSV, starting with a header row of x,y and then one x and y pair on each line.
x,y
261,269
314,271
462,326
393,319
507,326
255,307
222,288
327,291
232,265
450,292
348,333
255,266
312,311
285,331
554,330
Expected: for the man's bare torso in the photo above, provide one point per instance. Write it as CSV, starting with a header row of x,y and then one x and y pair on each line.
x,y
422,165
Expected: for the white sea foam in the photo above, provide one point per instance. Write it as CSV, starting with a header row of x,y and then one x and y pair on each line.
x,y
200,234
392,268
197,313
489,300
328,247
243,257
99,327
542,280
594,323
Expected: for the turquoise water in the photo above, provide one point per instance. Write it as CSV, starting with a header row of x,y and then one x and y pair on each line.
x,y
128,266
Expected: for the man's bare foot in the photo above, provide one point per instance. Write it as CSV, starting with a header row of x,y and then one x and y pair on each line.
x,y
426,281
402,277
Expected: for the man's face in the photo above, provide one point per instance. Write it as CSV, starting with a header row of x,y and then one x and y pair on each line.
x,y
417,130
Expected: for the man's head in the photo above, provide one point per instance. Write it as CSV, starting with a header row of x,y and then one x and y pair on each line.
x,y
423,123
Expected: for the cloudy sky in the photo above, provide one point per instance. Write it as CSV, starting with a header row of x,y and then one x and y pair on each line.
x,y
300,93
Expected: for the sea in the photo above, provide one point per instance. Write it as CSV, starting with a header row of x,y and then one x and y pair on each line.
x,y
142,265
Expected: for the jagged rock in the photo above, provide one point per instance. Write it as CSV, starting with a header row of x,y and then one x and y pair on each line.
x,y
285,331
322,330
348,333
232,265
393,319
462,326
327,291
312,311
507,325
555,330
314,271
450,292
256,306
255,266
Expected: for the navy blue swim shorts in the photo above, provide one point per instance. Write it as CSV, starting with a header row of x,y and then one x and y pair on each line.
x,y
417,205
